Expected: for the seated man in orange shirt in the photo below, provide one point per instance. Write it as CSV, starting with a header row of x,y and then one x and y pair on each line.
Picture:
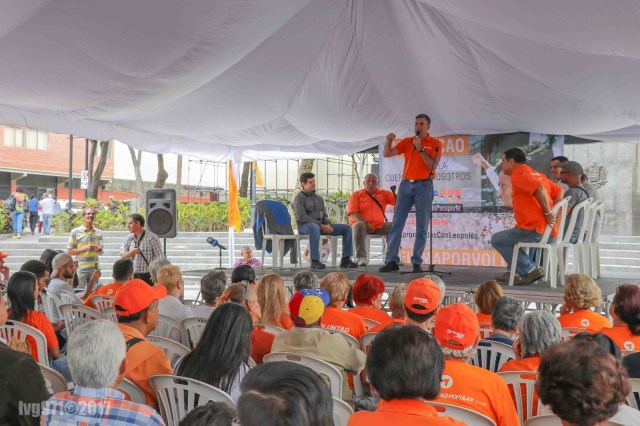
x,y
136,305
366,210
122,272
405,367
335,317
534,195
421,302
463,384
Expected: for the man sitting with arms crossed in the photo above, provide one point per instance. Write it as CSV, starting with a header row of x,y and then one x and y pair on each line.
x,y
366,210
122,272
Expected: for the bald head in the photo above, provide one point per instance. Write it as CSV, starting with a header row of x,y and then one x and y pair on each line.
x,y
370,183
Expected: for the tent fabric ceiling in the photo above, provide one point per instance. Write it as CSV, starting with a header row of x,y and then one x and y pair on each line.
x,y
249,79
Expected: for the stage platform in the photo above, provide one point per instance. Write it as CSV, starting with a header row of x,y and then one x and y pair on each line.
x,y
460,284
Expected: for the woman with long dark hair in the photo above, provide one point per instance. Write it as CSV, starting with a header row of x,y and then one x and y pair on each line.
x,y
221,356
22,291
625,311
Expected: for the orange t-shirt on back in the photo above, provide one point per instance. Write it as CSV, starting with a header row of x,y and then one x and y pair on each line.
x,y
621,336
484,318
531,363
393,322
105,290
372,313
584,318
414,165
261,342
526,209
405,412
40,321
337,319
361,202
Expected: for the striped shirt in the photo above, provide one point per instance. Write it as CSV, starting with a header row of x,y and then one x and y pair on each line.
x,y
81,237
89,406
149,245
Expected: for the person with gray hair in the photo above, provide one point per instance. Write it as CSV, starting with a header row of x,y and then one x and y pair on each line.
x,y
154,266
211,287
305,279
504,319
440,283
96,354
539,330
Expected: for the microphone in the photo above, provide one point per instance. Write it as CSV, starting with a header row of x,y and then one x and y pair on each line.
x,y
417,136
215,243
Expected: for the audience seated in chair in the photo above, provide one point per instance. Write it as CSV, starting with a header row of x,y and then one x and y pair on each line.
x,y
247,258
486,297
96,352
122,272
504,320
154,267
421,302
211,414
136,306
367,294
221,356
21,382
273,302
632,364
284,393
307,307
581,293
335,318
404,365
171,306
41,272
463,384
305,279
396,305
211,287
582,383
625,311
243,273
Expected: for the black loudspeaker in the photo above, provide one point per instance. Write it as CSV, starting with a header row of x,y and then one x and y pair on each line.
x,y
161,212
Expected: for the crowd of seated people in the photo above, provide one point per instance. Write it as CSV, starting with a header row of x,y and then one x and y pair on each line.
x,y
420,353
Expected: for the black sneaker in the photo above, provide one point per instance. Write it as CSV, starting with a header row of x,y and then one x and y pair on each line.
x,y
390,267
346,262
316,264
417,268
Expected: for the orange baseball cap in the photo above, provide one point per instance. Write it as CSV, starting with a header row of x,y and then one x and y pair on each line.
x,y
3,255
136,295
456,326
422,296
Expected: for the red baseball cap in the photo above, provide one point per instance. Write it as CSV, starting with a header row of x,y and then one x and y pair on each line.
x,y
3,255
136,295
422,296
456,326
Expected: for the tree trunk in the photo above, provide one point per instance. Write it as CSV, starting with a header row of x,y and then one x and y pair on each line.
x,y
136,159
244,180
306,166
161,177
179,179
96,176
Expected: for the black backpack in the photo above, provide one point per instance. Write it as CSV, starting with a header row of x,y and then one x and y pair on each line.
x,y
11,203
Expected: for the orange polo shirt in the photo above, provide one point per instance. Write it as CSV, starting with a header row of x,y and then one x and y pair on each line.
x,y
144,359
372,313
531,363
405,412
361,202
414,165
484,318
479,390
621,336
394,321
261,342
526,209
105,290
337,319
584,318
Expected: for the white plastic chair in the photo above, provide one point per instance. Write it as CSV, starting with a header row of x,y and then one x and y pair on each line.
x,y
365,341
485,330
552,269
369,323
277,244
171,348
577,248
194,327
178,395
492,355
341,412
321,367
190,303
55,381
592,240
367,246
132,390
352,341
110,314
633,399
170,328
516,380
463,414
54,304
273,329
68,298
568,333
20,331
76,315
102,301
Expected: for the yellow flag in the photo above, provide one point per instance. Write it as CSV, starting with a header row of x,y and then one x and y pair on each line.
x,y
259,178
234,209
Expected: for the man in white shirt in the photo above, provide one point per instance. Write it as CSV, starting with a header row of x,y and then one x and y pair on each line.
x,y
63,269
171,306
47,203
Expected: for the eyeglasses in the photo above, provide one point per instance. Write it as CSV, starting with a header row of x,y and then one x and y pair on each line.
x,y
564,173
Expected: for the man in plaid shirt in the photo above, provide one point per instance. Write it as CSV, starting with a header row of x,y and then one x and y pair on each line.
x,y
141,247
96,353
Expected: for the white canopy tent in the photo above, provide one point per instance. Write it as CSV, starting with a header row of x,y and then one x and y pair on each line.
x,y
249,79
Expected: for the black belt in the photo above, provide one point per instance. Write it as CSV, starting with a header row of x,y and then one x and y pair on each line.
x,y
415,180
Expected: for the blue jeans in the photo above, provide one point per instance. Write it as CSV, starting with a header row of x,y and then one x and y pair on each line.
x,y
504,241
61,365
46,223
313,231
18,219
419,194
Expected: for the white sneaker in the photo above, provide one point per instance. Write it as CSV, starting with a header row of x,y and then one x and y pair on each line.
x,y
362,261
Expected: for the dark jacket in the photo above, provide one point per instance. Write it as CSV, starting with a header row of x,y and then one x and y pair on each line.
x,y
309,208
274,217
20,382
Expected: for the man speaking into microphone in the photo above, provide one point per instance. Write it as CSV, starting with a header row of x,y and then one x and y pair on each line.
x,y
421,156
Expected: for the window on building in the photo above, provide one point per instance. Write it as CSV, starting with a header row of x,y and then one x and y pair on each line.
x,y
22,137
